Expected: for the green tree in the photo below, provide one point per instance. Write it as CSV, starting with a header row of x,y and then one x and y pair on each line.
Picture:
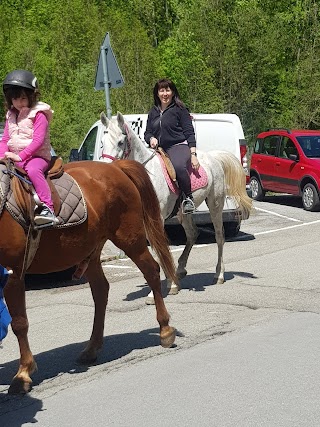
x,y
182,59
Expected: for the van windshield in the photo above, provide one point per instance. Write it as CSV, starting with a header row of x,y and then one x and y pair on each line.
x,y
310,145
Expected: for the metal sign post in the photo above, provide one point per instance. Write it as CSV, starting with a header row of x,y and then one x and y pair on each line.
x,y
108,73
103,53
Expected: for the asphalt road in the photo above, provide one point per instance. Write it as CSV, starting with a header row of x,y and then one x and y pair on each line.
x,y
247,352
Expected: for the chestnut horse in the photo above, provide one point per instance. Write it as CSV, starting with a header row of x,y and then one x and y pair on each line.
x,y
123,207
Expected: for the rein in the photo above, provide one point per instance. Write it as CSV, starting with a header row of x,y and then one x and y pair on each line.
x,y
128,149
149,158
7,187
12,173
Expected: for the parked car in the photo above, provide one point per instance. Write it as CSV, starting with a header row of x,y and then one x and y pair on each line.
x,y
287,161
213,132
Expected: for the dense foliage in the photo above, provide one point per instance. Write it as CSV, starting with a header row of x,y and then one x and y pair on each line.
x,y
259,59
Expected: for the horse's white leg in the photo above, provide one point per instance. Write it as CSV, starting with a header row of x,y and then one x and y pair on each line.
x,y
172,288
216,217
150,299
192,234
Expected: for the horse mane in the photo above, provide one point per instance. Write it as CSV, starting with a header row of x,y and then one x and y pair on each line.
x,y
151,214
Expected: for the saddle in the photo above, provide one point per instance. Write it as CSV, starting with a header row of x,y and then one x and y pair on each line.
x,y
55,170
18,195
167,162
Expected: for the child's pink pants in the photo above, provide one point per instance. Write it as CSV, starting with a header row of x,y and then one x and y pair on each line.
x,y
36,168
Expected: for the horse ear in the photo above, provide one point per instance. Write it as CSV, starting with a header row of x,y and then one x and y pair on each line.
x,y
104,119
121,122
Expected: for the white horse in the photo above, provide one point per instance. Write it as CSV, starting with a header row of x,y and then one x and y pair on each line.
x,y
225,175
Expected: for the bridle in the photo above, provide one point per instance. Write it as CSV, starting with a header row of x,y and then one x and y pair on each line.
x,y
127,148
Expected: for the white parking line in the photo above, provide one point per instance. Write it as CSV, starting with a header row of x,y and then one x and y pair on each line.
x,y
276,214
260,233
288,228
180,249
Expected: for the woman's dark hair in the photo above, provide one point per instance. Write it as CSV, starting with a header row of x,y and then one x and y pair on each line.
x,y
165,83
12,92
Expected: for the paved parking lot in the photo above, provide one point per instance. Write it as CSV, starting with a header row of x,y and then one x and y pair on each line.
x,y
277,212
262,320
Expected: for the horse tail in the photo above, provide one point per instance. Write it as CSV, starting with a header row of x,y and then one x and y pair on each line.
x,y
152,218
235,180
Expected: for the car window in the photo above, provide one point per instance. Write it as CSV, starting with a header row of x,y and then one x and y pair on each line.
x,y
287,147
87,150
310,145
269,145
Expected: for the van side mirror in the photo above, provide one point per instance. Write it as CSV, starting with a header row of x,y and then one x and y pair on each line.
x,y
293,157
74,155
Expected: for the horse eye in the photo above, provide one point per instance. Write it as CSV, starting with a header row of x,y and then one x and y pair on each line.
x,y
105,131
121,143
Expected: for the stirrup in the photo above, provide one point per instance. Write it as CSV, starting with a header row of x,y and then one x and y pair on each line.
x,y
45,218
188,206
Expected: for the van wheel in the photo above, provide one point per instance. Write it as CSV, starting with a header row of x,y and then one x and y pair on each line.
x,y
257,191
310,198
231,229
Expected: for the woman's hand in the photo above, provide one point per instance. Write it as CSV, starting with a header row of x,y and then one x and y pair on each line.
x,y
12,156
153,142
195,162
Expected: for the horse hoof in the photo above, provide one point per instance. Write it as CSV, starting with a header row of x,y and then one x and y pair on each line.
x,y
173,291
218,281
167,341
19,386
181,275
149,301
86,358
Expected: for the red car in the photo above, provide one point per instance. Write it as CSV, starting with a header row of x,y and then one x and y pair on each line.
x,y
287,161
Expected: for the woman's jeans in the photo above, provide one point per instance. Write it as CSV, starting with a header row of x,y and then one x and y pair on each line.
x,y
180,157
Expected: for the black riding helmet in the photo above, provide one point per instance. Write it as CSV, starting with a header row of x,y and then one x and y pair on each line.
x,y
21,78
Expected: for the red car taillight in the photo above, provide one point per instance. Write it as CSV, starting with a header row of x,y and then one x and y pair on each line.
x,y
243,152
244,160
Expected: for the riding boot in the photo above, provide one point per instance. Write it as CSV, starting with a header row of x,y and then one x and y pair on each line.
x,y
188,206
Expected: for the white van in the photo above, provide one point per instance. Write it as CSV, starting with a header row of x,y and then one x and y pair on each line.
x,y
213,132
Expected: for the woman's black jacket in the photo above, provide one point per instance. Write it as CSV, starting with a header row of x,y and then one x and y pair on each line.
x,y
170,127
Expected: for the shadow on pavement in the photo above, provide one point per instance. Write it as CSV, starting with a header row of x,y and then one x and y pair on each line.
x,y
52,280
192,282
177,235
284,199
63,359
17,411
